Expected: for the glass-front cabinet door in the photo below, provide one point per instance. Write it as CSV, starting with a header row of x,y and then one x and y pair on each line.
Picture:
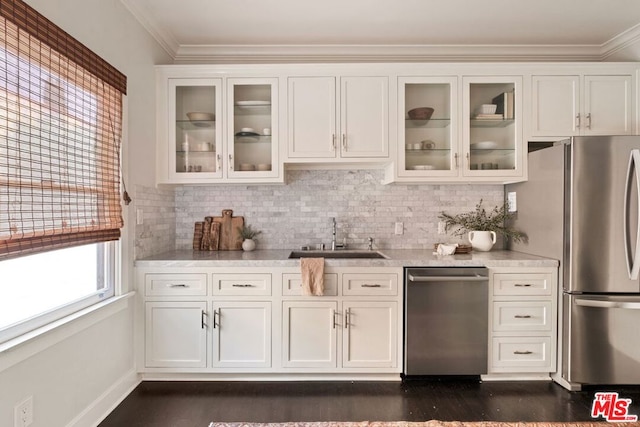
x,y
195,130
252,128
492,130
428,141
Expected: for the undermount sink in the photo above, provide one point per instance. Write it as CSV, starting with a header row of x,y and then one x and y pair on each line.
x,y
337,254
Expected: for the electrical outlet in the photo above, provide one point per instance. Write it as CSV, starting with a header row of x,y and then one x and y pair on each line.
x,y
399,228
23,413
441,227
139,216
511,201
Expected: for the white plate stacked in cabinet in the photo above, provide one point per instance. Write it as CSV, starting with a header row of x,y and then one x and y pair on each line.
x,y
522,322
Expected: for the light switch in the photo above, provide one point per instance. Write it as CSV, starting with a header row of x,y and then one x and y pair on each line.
x,y
399,228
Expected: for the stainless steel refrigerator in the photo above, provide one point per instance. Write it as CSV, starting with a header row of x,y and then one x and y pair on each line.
x,y
581,206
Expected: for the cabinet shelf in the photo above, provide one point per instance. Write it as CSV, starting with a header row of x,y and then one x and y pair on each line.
x,y
252,139
200,152
484,123
195,124
245,110
500,151
431,123
429,152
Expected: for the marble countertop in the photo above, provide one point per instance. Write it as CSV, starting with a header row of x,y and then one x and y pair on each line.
x,y
394,258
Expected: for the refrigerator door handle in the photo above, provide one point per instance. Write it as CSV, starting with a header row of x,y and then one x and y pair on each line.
x,y
633,260
607,304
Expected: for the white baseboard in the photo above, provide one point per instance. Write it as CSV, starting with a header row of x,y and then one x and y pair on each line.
x,y
98,410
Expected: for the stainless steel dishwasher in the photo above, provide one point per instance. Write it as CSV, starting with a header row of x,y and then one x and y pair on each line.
x,y
445,325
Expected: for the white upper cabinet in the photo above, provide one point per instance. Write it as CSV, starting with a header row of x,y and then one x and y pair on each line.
x,y
252,128
327,123
571,105
190,129
459,141
246,123
493,147
428,148
209,133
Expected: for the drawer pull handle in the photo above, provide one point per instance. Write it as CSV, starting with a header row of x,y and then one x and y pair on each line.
x,y
347,318
215,313
203,316
178,285
522,316
374,285
523,352
523,285
242,285
334,318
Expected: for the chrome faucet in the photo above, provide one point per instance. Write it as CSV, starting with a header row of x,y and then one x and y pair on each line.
x,y
370,241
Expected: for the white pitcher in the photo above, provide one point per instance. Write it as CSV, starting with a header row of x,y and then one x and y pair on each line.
x,y
482,240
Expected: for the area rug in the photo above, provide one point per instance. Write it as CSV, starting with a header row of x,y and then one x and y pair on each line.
x,y
432,423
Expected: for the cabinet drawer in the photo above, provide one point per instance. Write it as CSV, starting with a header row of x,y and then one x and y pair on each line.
x,y
242,284
522,284
175,284
369,284
529,354
521,316
292,284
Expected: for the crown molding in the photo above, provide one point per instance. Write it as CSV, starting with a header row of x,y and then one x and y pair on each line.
x,y
621,41
164,38
375,53
380,53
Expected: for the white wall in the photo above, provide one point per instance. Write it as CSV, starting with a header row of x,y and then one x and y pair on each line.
x,y
70,376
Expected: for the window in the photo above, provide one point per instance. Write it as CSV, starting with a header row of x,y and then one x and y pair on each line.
x,y
37,289
60,213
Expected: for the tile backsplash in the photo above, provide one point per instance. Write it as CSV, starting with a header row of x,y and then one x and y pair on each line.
x,y
299,213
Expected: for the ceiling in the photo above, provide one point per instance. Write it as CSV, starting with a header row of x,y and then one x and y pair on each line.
x,y
281,30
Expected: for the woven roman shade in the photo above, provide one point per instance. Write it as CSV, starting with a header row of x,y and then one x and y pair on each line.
x,y
60,131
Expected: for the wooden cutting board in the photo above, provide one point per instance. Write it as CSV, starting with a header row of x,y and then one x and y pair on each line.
x,y
230,239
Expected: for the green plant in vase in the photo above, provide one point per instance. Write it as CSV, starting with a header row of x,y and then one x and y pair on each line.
x,y
249,237
481,226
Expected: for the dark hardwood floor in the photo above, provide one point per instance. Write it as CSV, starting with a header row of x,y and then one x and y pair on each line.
x,y
195,404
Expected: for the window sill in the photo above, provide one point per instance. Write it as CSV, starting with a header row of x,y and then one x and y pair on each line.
x,y
20,348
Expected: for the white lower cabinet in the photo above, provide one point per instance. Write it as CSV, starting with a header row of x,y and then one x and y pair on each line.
x,y
370,334
367,330
523,320
175,334
249,322
310,333
241,334
357,329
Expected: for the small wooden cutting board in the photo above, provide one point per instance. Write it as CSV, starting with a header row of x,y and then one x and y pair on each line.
x,y
230,239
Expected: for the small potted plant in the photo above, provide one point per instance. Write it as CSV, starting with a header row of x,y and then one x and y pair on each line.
x,y
481,227
248,237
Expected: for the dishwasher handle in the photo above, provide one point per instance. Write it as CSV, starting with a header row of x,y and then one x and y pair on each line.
x,y
414,278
